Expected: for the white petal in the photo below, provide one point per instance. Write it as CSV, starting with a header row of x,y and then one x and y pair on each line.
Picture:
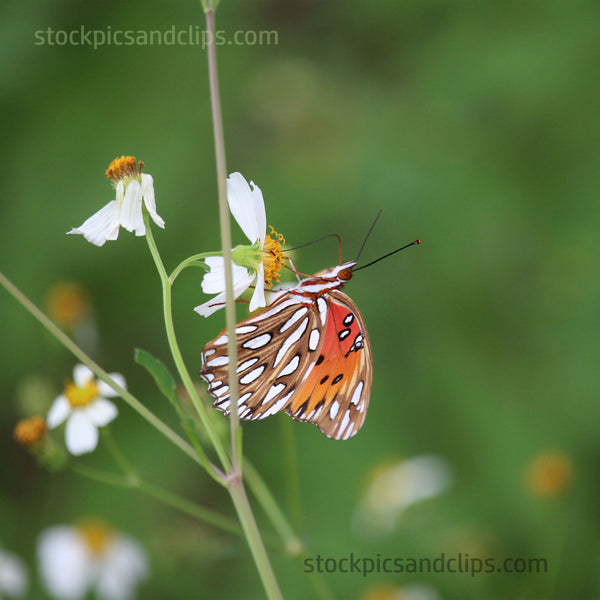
x,y
106,390
149,201
101,412
258,297
131,209
82,375
101,226
213,282
64,563
124,566
13,575
247,206
81,435
240,285
58,412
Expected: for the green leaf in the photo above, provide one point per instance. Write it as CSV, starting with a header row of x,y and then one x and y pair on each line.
x,y
161,375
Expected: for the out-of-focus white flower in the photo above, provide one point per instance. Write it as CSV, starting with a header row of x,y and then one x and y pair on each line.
x,y
76,559
85,408
258,264
410,591
133,189
14,580
395,487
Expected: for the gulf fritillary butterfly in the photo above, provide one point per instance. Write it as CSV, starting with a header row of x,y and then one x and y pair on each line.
x,y
308,354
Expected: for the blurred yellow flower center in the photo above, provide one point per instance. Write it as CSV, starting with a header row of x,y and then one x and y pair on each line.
x,y
30,431
272,257
96,534
68,304
549,473
124,168
79,397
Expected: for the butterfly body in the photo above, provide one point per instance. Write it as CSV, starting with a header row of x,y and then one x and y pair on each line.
x,y
308,354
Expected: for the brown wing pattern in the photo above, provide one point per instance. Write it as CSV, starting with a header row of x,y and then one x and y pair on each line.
x,y
311,358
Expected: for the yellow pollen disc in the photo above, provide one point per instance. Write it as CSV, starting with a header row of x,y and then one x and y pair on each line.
x,y
96,534
549,473
272,257
123,167
79,397
30,431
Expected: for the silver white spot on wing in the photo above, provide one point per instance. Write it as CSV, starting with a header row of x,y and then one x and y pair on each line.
x,y
290,341
343,334
273,391
208,377
344,423
257,342
290,367
348,319
322,306
333,411
247,364
252,375
357,392
209,352
221,340
278,405
220,361
295,317
220,391
313,340
246,329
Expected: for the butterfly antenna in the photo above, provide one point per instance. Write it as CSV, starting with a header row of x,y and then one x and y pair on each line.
x,y
367,236
318,240
388,254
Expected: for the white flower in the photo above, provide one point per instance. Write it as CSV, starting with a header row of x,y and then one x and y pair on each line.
x,y
13,576
132,187
85,408
258,264
394,488
74,560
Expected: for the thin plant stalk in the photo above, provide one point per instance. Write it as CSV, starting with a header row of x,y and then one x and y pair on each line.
x,y
230,320
235,481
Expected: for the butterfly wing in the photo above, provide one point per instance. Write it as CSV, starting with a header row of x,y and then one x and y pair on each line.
x,y
311,358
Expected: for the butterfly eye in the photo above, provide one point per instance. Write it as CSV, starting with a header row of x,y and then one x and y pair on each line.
x,y
345,274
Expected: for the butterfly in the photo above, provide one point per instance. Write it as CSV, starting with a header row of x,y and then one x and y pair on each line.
x,y
308,354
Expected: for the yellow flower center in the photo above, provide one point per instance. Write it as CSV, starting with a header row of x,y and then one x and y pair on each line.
x,y
96,534
272,257
79,397
124,168
29,432
549,473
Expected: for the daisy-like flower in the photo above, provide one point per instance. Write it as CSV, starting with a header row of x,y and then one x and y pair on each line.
x,y
75,559
14,580
258,264
84,406
393,488
133,188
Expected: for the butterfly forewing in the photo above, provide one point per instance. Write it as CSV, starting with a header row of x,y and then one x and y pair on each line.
x,y
308,354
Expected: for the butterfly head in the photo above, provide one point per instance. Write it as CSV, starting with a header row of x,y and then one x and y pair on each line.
x,y
341,272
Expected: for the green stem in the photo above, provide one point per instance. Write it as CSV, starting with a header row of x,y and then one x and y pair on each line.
x,y
177,356
133,481
291,476
261,559
191,261
230,320
293,545
68,343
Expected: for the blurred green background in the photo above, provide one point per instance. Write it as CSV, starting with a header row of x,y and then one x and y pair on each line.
x,y
475,126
